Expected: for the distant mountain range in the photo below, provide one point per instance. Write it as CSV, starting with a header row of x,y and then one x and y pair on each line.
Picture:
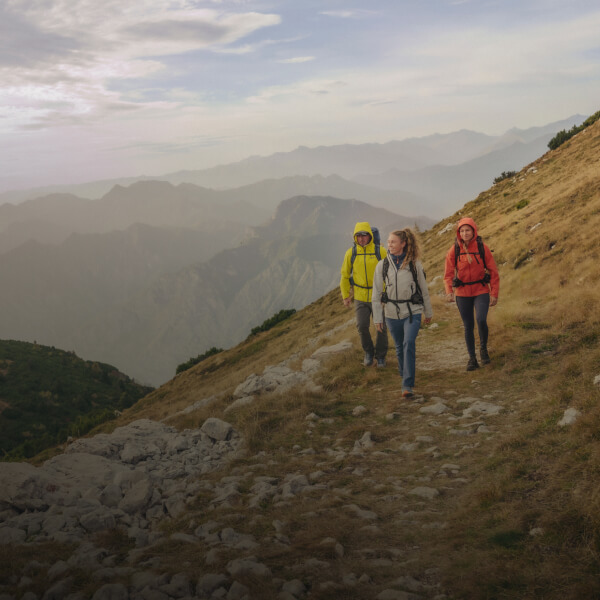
x,y
146,273
432,175
222,216
145,300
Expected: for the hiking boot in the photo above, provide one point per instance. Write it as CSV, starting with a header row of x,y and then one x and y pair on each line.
x,y
472,364
380,363
368,361
407,393
485,357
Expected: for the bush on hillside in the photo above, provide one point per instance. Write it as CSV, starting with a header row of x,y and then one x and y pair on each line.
x,y
282,315
504,175
194,361
562,136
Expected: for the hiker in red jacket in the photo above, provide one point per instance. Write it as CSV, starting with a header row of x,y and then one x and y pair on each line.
x,y
471,278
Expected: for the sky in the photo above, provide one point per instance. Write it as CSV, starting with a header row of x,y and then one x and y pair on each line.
x,y
96,89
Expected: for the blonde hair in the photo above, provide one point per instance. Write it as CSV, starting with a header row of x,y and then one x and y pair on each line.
x,y
412,248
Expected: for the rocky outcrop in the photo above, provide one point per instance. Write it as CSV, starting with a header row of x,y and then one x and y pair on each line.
x,y
133,477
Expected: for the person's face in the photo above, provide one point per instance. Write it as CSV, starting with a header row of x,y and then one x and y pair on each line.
x,y
466,233
363,238
395,244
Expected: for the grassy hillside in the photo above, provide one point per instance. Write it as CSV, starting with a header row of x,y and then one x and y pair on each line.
x,y
530,473
47,394
517,508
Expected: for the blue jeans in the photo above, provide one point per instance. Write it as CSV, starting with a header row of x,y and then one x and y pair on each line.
x,y
404,333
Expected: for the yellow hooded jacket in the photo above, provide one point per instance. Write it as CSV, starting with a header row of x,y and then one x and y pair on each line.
x,y
363,268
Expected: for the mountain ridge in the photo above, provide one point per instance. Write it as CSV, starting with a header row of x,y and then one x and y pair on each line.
x,y
221,176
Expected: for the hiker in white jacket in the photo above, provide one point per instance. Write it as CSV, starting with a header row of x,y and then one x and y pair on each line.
x,y
401,296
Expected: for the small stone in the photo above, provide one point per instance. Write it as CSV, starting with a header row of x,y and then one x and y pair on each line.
x,y
425,492
434,409
361,513
111,591
569,417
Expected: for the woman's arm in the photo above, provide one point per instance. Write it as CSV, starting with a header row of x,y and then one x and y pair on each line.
x,y
449,274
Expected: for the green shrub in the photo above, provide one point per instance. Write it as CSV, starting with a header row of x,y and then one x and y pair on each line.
x,y
194,361
504,175
562,136
282,315
521,204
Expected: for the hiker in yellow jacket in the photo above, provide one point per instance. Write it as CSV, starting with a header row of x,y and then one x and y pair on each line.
x,y
357,282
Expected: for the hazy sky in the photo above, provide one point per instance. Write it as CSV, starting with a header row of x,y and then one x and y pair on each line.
x,y
92,89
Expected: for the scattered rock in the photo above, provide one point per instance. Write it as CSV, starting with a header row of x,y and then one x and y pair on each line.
x,y
425,492
361,513
569,417
480,407
343,346
434,409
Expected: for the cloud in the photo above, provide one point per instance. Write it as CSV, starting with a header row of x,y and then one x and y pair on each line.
x,y
23,44
59,57
248,48
349,14
296,60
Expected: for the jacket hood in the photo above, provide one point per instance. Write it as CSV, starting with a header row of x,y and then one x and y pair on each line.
x,y
466,221
363,226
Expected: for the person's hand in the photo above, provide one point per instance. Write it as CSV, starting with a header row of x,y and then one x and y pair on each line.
x,y
427,320
450,297
379,326
347,301
493,300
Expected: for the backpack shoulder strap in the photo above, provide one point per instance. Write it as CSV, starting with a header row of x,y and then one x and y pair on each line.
x,y
456,253
413,270
481,249
353,258
385,268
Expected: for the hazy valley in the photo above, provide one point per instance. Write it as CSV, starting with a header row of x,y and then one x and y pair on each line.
x,y
147,298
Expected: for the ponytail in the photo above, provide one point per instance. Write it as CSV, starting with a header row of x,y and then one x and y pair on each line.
x,y
412,248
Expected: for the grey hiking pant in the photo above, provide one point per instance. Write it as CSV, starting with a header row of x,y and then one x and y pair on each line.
x,y
363,324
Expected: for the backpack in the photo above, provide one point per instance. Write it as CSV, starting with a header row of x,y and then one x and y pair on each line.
x,y
417,296
456,282
377,253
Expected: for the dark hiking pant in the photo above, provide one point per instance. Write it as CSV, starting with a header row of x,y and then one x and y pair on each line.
x,y
363,324
467,305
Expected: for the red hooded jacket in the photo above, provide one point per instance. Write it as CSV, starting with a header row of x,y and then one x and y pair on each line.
x,y
471,271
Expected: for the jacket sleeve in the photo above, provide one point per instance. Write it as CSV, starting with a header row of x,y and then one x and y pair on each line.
x,y
377,290
346,271
494,274
449,270
424,291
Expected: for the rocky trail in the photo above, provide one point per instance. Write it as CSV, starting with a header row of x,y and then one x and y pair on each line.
x,y
352,515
